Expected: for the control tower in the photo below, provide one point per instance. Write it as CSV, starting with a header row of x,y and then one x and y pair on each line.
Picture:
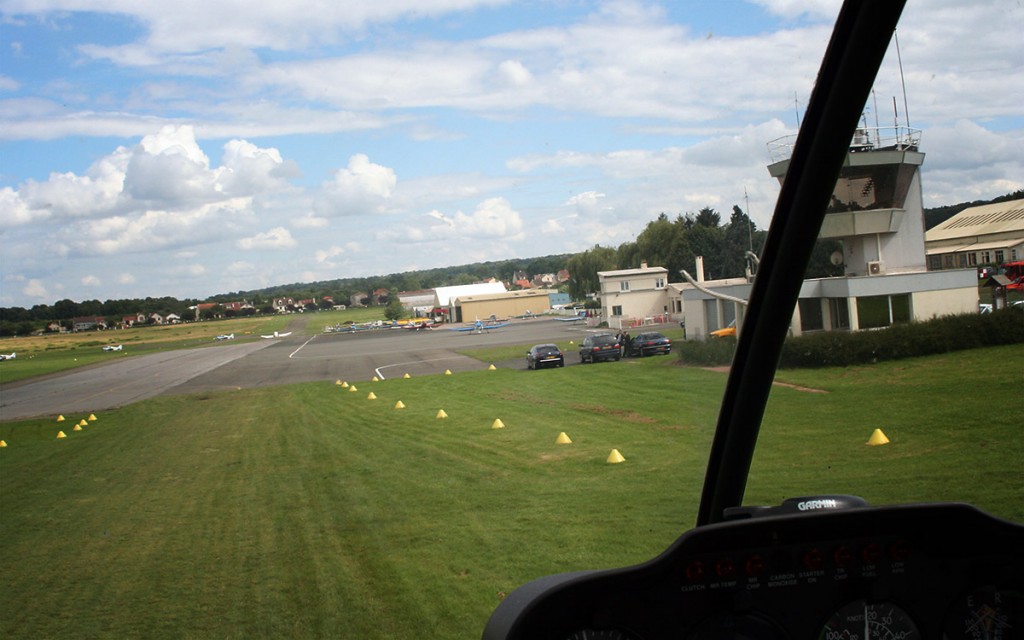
x,y
876,209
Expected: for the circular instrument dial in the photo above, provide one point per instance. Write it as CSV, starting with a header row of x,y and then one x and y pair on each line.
x,y
861,620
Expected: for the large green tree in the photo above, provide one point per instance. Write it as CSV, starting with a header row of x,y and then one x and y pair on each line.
x,y
737,240
583,268
394,310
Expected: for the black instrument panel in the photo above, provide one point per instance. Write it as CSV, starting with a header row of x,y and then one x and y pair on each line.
x,y
919,571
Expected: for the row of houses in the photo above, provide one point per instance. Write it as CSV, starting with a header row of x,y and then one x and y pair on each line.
x,y
94,323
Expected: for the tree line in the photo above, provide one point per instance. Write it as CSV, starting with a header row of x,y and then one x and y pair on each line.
x,y
671,243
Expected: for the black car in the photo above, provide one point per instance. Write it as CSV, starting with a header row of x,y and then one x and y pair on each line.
x,y
649,344
544,355
603,346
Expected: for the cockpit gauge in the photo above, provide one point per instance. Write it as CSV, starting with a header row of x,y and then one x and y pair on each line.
x,y
986,614
862,620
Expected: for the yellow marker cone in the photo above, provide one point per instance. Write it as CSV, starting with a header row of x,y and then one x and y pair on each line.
x,y
82,422
563,438
61,434
447,372
497,424
571,342
399,405
877,438
372,396
78,427
344,385
441,415
60,418
376,379
492,368
3,443
615,457
337,382
407,376
92,418
352,389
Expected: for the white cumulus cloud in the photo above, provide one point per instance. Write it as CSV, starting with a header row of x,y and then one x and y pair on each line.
x,y
276,238
493,217
360,188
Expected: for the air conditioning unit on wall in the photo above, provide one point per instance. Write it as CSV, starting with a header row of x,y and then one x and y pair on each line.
x,y
876,267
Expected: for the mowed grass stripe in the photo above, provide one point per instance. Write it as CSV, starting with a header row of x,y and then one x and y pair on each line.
x,y
311,511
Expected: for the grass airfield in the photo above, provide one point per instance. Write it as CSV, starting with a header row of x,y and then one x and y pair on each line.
x,y
54,353
311,510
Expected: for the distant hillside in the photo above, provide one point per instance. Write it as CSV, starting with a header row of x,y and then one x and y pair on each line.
x,y
938,215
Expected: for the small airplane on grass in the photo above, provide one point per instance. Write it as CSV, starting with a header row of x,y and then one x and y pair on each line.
x,y
111,347
227,336
8,356
277,334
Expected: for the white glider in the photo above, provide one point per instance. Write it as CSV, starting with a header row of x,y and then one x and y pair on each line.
x,y
278,335
111,347
8,356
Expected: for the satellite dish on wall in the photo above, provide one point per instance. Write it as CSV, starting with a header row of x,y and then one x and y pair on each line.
x,y
836,258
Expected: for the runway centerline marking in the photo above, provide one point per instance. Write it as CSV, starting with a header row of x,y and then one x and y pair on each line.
x,y
301,346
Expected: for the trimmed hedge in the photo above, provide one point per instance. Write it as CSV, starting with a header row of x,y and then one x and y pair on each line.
x,y
843,348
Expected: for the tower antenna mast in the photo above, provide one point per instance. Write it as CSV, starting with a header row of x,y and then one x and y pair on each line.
x,y
899,58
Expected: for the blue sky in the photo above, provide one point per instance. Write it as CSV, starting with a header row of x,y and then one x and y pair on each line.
x,y
192,148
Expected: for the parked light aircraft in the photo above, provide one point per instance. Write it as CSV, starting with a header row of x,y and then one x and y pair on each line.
x,y
825,566
480,326
8,356
111,347
277,334
416,326
226,336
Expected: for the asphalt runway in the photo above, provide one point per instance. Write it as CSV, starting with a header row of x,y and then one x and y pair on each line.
x,y
385,353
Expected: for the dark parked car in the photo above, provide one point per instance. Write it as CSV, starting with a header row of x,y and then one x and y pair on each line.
x,y
544,355
603,346
649,344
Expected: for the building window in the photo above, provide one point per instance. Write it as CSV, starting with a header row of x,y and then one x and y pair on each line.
x,y
728,313
839,309
711,313
624,285
999,256
972,259
961,260
617,310
934,263
947,261
811,317
659,283
986,257
882,311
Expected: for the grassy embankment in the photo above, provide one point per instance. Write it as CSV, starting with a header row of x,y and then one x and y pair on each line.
x,y
313,511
